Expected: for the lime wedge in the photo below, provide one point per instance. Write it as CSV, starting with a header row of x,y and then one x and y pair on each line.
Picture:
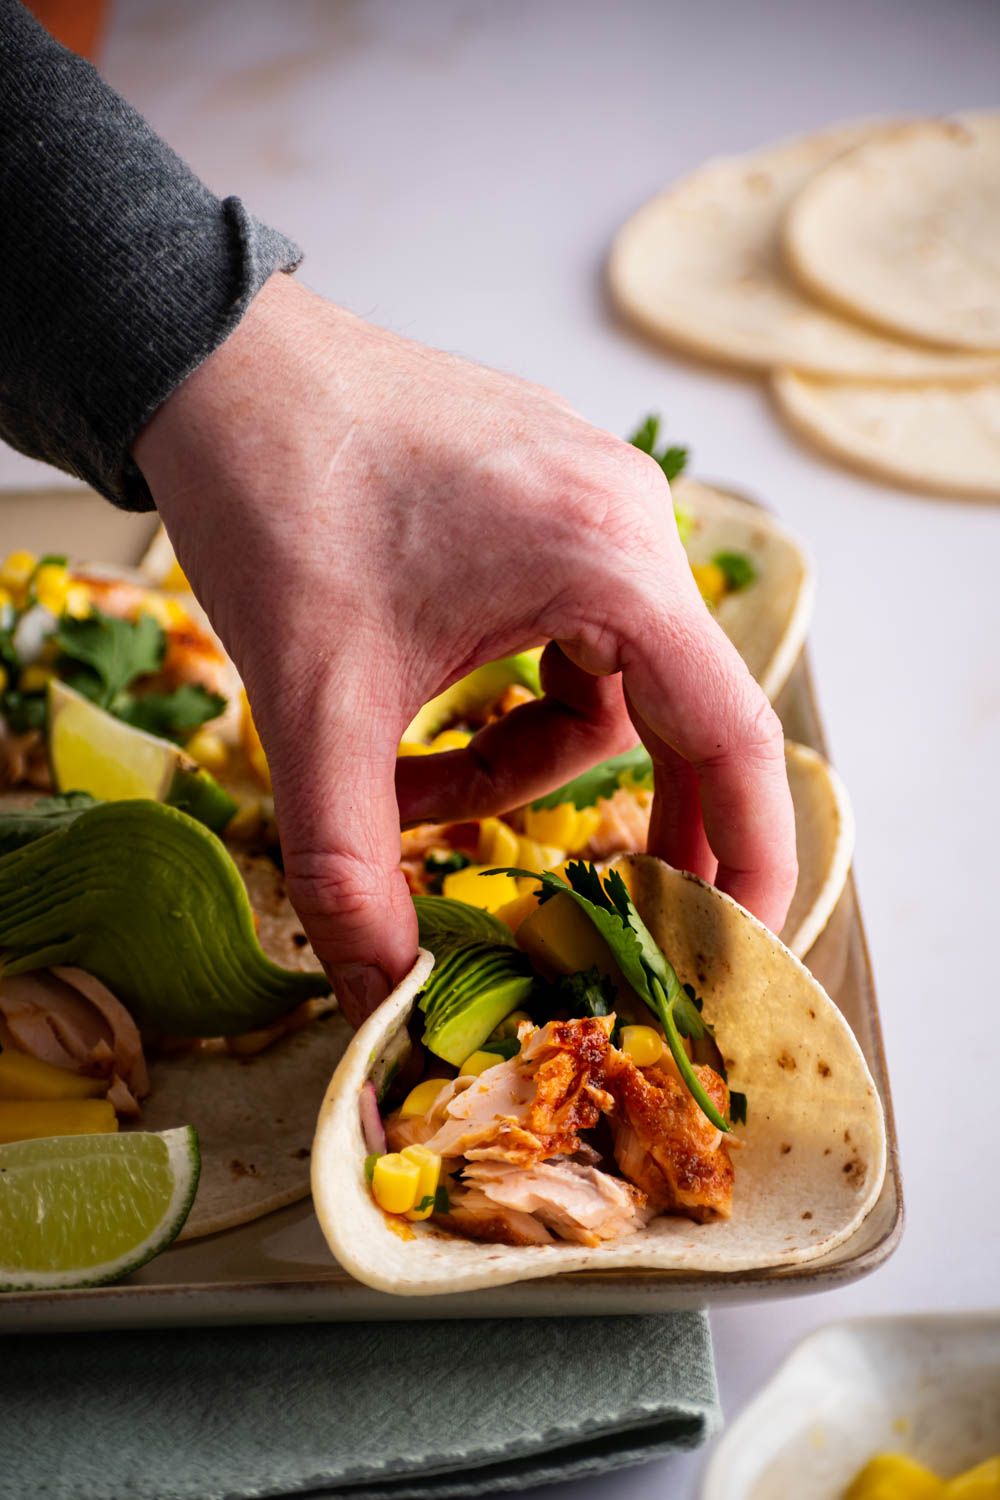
x,y
92,751
80,1210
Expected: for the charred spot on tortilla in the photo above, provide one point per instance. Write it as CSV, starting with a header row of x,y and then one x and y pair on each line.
x,y
823,1069
785,1148
787,1061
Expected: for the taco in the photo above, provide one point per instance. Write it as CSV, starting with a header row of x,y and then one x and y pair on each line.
x,y
146,965
650,1015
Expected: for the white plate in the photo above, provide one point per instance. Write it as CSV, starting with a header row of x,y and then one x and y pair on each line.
x,y
928,1386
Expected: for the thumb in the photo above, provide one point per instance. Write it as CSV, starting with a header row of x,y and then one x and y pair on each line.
x,y
335,803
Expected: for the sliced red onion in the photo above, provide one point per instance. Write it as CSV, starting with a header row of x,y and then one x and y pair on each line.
x,y
371,1121
31,633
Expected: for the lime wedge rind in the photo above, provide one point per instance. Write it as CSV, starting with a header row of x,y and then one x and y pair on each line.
x,y
184,1163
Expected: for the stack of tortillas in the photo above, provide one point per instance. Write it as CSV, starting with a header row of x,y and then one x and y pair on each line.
x,y
861,269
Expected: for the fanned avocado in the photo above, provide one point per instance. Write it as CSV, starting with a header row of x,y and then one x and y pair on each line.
x,y
470,991
148,900
475,691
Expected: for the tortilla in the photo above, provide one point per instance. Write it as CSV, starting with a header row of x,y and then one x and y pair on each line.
x,y
824,840
937,438
768,620
700,268
904,232
255,1117
815,1145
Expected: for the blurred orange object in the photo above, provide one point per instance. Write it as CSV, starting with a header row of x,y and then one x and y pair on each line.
x,y
78,24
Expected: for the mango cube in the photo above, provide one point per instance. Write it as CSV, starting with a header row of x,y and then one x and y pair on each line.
x,y
24,1077
420,1100
32,1120
470,886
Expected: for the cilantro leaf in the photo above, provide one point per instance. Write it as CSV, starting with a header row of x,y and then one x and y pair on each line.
x,y
170,715
22,825
739,571
672,460
23,711
632,766
737,1107
115,652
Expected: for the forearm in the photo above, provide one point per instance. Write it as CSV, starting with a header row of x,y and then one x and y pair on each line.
x,y
119,270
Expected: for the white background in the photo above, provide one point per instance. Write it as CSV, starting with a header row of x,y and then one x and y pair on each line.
x,y
455,170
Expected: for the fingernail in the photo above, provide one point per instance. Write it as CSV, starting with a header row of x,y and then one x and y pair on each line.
x,y
359,988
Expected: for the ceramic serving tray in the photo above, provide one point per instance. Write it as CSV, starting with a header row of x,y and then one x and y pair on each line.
x,y
279,1270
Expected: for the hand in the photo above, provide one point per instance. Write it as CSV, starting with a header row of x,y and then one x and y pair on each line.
x,y
365,521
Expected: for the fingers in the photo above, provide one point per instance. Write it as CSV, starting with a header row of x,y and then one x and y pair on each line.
x,y
676,827
332,771
692,696
581,720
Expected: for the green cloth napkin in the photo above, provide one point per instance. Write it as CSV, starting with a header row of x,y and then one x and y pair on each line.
x,y
380,1411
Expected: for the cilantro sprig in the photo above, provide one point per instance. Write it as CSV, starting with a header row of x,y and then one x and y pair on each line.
x,y
608,905
102,657
671,459
108,653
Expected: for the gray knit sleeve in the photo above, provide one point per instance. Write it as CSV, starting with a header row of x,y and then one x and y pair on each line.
x,y
119,271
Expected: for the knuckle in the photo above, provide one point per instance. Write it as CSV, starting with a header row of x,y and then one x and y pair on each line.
x,y
332,884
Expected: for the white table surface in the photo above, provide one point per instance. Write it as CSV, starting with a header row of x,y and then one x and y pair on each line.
x,y
455,170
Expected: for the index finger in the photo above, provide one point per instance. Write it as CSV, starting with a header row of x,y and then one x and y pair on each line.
x,y
690,693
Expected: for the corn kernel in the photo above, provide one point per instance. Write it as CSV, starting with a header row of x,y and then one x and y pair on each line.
x,y
468,886
642,1044
420,1100
77,601
208,749
478,1062
711,581
395,1183
167,613
451,739
498,843
51,585
412,747
35,679
4,678
16,570
428,1164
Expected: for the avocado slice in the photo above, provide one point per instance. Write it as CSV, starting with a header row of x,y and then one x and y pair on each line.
x,y
475,691
149,901
468,994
